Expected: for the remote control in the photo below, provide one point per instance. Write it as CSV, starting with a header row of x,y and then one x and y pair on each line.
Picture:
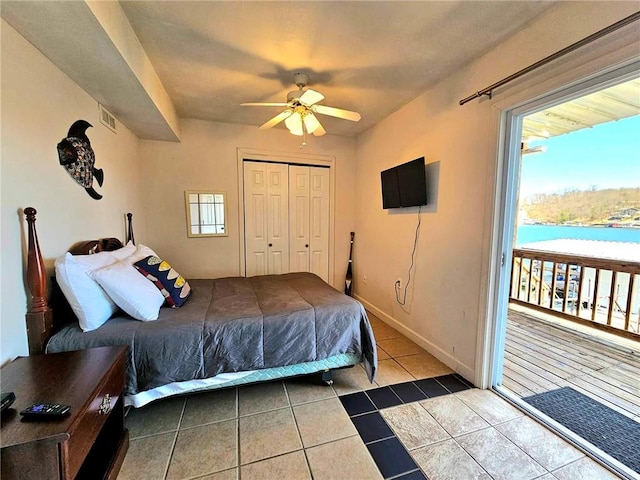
x,y
43,411
7,399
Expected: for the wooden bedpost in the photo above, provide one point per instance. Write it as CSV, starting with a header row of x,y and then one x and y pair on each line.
x,y
130,229
39,316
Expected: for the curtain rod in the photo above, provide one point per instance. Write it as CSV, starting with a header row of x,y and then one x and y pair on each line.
x,y
594,36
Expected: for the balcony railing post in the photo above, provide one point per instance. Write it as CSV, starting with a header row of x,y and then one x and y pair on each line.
x,y
573,288
627,312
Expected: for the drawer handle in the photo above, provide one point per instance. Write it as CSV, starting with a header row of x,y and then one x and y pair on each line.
x,y
105,406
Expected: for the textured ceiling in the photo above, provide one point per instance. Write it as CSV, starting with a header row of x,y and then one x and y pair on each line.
x,y
371,57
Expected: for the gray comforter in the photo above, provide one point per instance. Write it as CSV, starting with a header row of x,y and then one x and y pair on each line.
x,y
234,324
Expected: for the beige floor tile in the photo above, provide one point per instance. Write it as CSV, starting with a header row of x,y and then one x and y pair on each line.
x,y
400,346
382,331
489,405
448,461
157,417
390,372
203,450
231,474
261,398
147,458
584,469
345,459
308,389
499,457
413,425
209,407
268,434
372,317
454,416
423,365
350,380
322,422
290,466
541,444
382,355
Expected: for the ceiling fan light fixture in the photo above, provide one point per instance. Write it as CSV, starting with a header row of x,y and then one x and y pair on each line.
x,y
301,106
311,122
294,124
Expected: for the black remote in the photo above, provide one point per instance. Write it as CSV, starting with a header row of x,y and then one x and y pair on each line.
x,y
7,399
44,411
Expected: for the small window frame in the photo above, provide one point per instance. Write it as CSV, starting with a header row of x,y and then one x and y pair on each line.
x,y
191,223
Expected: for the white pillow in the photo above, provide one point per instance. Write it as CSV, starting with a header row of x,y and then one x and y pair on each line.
x,y
132,292
141,251
87,299
124,252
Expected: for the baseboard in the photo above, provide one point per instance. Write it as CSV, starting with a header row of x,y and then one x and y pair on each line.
x,y
450,361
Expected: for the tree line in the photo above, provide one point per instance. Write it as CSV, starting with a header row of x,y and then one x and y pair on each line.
x,y
591,206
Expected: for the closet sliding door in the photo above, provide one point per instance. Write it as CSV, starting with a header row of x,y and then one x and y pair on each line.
x,y
266,216
319,222
299,218
286,219
309,220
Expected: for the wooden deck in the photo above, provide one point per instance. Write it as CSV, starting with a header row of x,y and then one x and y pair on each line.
x,y
540,357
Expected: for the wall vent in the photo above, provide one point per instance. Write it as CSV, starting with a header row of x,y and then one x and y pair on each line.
x,y
107,119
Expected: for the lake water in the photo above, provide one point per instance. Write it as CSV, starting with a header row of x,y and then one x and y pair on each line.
x,y
538,233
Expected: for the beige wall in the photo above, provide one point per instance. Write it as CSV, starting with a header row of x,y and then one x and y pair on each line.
x,y
447,296
207,159
39,103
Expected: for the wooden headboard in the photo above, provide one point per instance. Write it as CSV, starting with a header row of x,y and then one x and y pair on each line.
x,y
40,320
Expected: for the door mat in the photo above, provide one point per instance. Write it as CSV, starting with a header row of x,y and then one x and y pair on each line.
x,y
605,428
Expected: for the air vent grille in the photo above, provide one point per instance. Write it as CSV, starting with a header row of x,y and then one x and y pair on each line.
x,y
107,119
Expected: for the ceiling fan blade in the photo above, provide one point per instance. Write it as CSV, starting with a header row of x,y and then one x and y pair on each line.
x,y
309,97
294,124
313,125
279,104
277,119
320,131
336,112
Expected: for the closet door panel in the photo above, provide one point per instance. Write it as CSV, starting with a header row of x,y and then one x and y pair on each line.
x,y
286,219
278,218
299,218
255,205
319,222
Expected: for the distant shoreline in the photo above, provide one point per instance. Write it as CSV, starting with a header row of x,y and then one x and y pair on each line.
x,y
596,225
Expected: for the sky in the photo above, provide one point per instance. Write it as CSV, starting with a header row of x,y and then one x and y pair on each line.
x,y
604,156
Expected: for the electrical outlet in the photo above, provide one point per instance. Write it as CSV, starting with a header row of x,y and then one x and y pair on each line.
x,y
399,283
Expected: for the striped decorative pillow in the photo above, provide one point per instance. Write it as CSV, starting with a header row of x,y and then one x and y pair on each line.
x,y
172,285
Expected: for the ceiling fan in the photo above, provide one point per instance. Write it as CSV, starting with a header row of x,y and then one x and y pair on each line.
x,y
301,106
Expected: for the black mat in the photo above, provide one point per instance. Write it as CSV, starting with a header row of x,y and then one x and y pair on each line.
x,y
605,428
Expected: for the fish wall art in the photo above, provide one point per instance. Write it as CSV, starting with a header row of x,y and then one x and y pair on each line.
x,y
77,157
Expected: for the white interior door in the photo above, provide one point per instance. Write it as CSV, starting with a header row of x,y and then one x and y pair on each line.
x,y
278,218
299,218
286,217
319,222
255,218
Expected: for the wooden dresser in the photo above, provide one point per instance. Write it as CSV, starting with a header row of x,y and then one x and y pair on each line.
x,y
89,443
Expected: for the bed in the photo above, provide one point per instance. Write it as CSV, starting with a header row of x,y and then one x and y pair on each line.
x,y
231,331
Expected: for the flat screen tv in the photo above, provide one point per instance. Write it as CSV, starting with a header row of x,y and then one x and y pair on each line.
x,y
404,185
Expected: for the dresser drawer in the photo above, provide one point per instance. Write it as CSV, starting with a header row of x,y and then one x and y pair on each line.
x,y
92,419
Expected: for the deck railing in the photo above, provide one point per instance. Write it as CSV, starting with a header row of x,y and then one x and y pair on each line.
x,y
598,292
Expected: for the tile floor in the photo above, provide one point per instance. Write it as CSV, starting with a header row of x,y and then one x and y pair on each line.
x,y
301,429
